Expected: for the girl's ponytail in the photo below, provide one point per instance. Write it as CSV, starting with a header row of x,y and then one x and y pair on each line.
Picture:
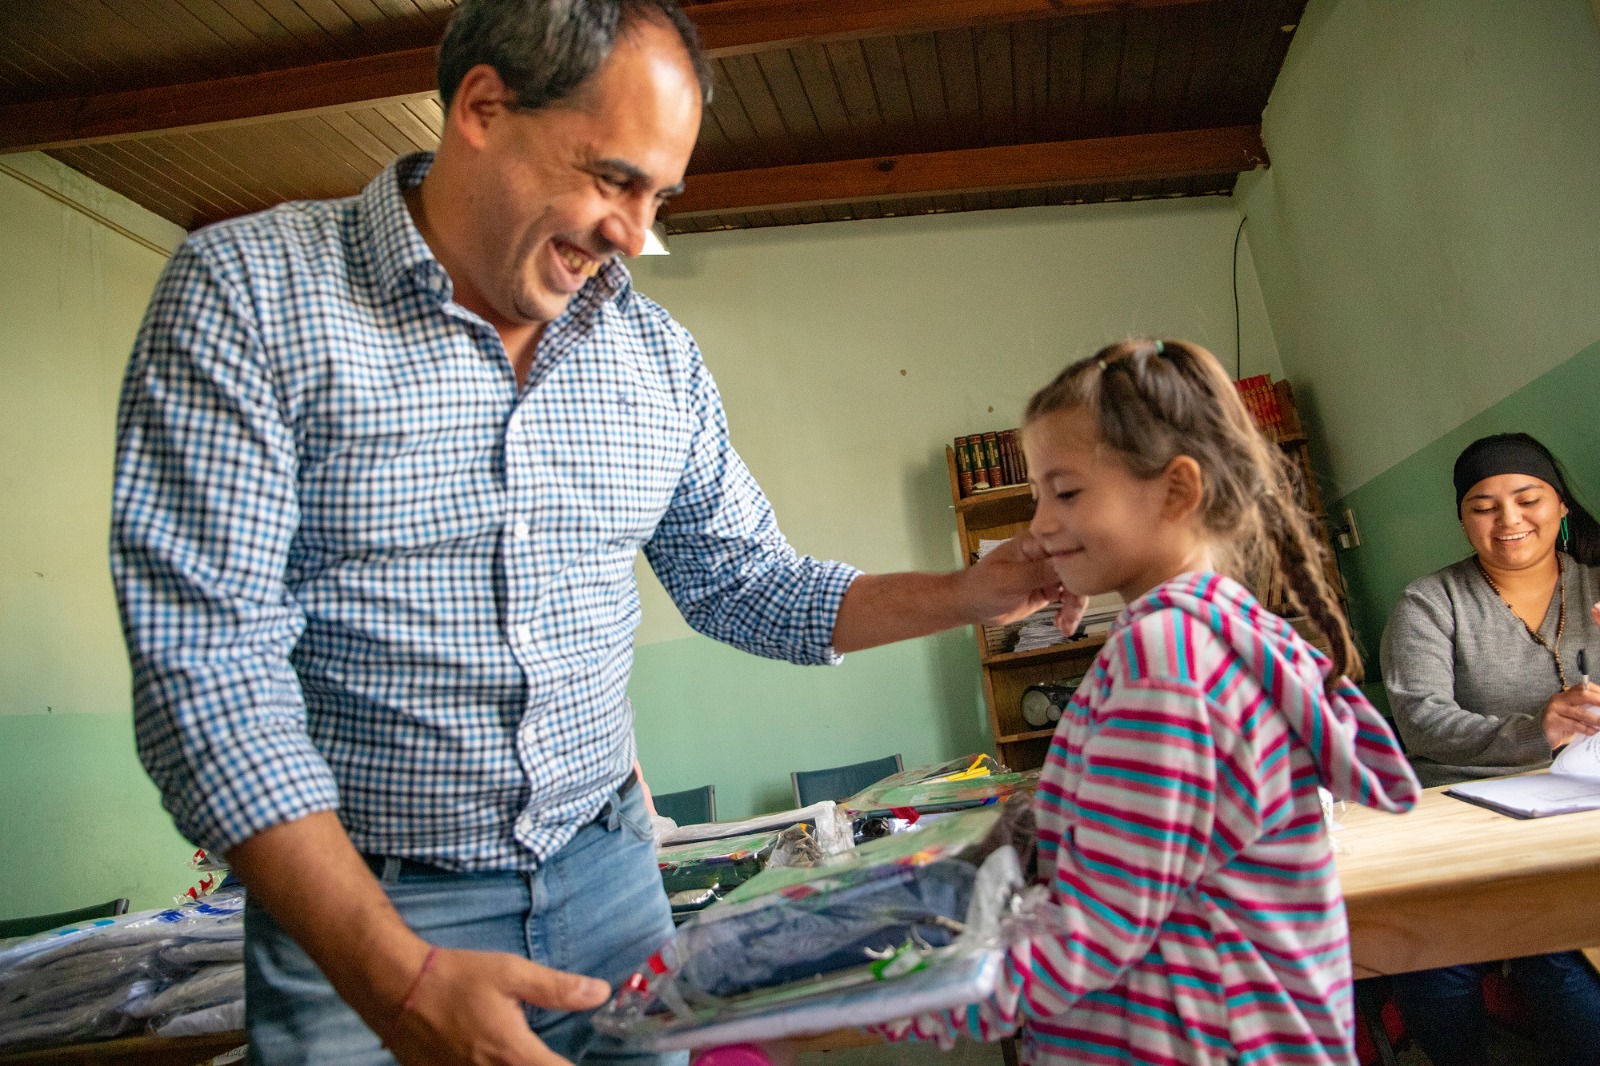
x,y
1299,560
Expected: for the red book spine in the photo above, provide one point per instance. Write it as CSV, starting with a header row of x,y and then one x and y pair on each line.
x,y
963,466
1269,398
1009,466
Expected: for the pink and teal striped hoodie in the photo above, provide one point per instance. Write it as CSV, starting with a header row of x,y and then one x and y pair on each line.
x,y
1194,912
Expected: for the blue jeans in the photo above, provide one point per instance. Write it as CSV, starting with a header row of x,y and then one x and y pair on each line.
x,y
1444,1009
597,907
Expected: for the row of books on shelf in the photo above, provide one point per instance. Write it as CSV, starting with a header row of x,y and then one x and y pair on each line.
x,y
989,460
1260,398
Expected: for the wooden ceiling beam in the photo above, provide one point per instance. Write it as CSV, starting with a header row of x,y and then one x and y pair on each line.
x,y
244,98
738,27
1136,157
727,27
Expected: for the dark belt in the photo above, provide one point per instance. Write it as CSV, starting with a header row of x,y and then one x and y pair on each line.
x,y
418,868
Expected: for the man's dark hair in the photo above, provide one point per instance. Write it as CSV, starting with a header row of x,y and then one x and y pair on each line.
x,y
544,49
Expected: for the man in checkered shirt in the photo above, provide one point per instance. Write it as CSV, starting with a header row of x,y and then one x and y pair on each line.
x,y
383,467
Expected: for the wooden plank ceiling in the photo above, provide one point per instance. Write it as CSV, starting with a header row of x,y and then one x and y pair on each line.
x,y
824,110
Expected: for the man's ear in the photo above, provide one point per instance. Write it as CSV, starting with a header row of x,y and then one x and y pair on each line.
x,y
478,101
1186,488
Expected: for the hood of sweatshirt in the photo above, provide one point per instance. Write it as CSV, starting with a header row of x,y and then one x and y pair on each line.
x,y
1355,751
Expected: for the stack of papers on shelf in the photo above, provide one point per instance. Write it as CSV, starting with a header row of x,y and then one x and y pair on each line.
x,y
1039,630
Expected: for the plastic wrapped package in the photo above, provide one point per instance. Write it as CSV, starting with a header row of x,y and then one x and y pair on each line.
x,y
98,1015
82,976
206,987
698,874
106,978
904,924
829,828
222,1018
906,798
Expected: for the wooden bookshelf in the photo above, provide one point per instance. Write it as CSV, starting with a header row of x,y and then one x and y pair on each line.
x,y
996,514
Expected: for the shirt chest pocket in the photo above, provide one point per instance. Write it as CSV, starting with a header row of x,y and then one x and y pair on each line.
x,y
382,472
613,469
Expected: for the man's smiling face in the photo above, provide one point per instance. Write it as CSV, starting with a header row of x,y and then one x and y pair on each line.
x,y
572,184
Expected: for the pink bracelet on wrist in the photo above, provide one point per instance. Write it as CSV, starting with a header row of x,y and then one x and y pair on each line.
x,y
411,994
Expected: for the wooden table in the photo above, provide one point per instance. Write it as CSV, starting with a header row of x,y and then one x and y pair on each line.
x,y
133,1051
1450,883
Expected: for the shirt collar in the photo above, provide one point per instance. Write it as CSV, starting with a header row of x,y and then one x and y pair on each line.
x,y
398,248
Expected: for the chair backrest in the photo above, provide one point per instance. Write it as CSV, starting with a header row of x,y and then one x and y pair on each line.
x,y
38,923
689,807
839,782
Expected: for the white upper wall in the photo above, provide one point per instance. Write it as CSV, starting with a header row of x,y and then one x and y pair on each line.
x,y
79,267
850,353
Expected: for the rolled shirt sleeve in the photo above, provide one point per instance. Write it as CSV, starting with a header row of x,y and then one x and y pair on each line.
x,y
720,555
204,510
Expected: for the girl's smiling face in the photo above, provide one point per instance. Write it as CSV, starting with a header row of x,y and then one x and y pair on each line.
x,y
1105,529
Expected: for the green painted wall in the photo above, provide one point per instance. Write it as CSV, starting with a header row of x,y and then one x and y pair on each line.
x,y
848,355
1428,244
81,822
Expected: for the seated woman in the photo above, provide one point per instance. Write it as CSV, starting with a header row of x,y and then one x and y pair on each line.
x,y
1480,662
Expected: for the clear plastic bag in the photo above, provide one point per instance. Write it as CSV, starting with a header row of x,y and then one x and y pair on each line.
x,y
829,828
908,922
220,1018
205,987
698,874
105,978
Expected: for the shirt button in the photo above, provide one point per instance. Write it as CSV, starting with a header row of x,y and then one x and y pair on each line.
x,y
522,634
520,529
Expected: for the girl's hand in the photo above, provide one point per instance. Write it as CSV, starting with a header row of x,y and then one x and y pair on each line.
x,y
1571,713
1594,612
1071,614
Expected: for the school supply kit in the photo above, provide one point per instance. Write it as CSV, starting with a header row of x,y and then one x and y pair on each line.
x,y
910,922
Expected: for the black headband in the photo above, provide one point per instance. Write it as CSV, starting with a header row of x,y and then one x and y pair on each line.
x,y
1495,455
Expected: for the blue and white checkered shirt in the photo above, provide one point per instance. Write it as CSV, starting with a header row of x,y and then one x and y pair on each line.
x,y
360,571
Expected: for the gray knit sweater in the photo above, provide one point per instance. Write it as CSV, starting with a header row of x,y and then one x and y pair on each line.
x,y
1466,682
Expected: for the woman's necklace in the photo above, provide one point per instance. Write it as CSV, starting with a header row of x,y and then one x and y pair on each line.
x,y
1561,615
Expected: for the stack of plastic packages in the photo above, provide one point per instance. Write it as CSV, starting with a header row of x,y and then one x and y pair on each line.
x,y
900,925
176,972
701,863
698,874
900,800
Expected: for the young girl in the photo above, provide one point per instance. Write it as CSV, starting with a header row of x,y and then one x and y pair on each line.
x,y
1194,912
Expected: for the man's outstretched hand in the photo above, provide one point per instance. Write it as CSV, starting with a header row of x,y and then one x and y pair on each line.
x,y
467,1009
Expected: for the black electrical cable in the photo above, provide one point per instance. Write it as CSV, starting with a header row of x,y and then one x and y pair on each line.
x,y
1238,350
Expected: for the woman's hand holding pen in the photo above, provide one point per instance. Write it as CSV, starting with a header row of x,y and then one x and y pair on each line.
x,y
1574,711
